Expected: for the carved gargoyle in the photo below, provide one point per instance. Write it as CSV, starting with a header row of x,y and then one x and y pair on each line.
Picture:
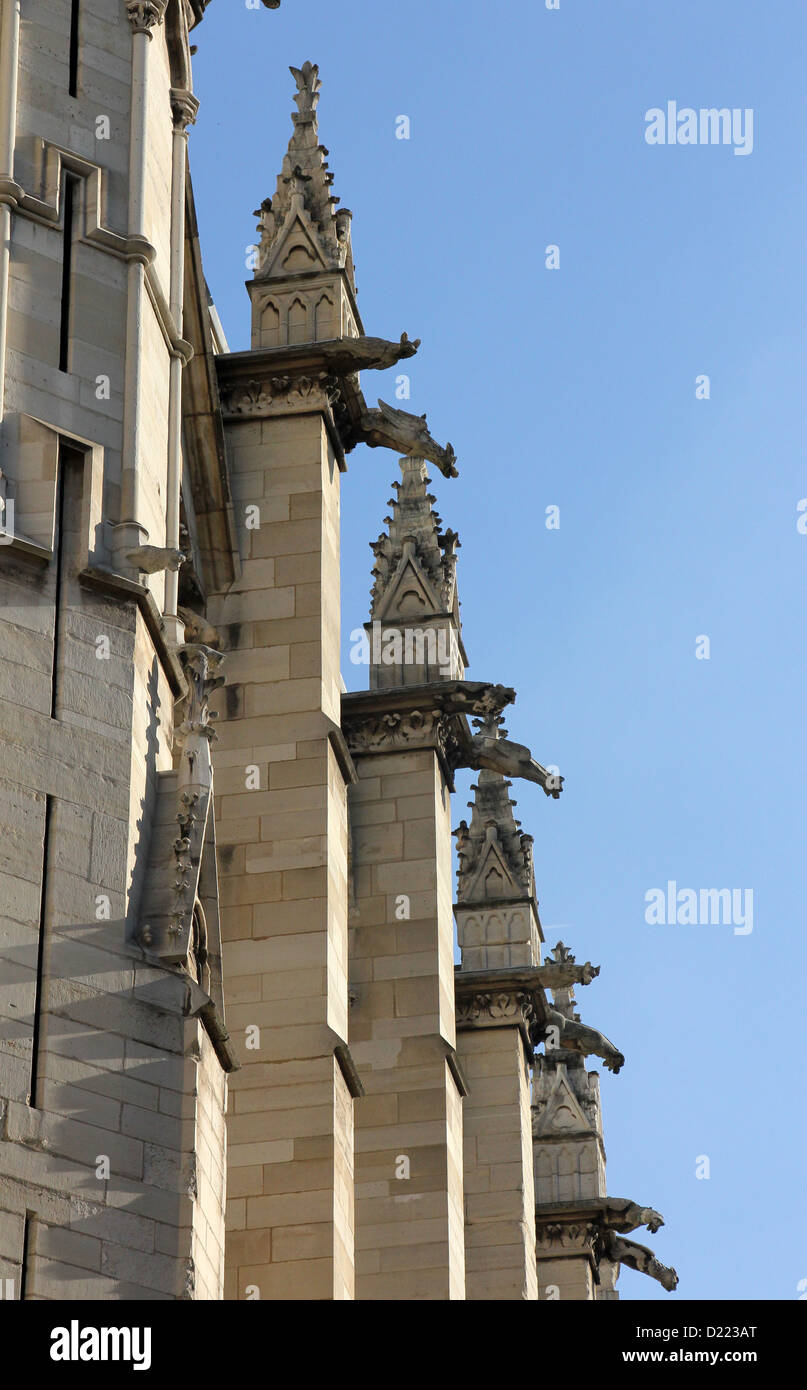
x,y
563,971
589,1042
198,629
344,355
512,759
623,1215
639,1257
407,434
152,559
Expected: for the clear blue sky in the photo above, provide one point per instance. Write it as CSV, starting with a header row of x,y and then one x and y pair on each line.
x,y
576,388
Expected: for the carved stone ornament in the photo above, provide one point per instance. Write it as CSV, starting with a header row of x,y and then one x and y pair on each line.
x,y
489,748
279,393
143,15
639,1257
390,428
427,716
184,106
563,971
500,1006
393,730
577,1237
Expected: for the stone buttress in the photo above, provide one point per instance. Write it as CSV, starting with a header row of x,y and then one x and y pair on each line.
x,y
409,1216
282,764
497,987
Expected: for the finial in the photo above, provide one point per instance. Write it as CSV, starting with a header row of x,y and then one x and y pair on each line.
x,y
308,90
492,722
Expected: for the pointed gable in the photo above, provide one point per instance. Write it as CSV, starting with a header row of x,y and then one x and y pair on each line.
x,y
561,1112
410,592
415,562
494,854
494,878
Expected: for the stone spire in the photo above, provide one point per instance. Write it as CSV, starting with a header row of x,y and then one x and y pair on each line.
x,y
496,910
301,228
495,856
415,630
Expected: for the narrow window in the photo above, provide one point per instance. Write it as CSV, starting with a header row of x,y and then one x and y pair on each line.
x,y
69,469
73,50
33,1094
69,194
59,557
26,1233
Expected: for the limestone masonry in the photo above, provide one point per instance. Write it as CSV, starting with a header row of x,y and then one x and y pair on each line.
x,y
372,1120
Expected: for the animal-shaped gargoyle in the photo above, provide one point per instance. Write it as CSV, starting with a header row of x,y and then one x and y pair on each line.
x,y
623,1215
491,748
639,1257
345,355
589,1042
408,434
152,559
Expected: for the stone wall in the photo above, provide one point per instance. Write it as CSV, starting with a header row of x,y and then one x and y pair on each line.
x,y
111,1093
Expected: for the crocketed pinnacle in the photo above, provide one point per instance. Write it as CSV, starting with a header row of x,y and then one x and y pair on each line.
x,y
304,188
415,544
495,856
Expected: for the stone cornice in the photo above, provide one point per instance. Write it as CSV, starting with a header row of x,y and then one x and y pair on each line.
x,y
509,998
266,383
291,379
566,1239
403,718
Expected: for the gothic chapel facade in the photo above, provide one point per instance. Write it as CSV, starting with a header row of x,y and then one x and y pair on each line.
x,y
228,991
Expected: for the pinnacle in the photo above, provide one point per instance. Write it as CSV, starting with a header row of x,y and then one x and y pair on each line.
x,y
414,533
492,819
304,188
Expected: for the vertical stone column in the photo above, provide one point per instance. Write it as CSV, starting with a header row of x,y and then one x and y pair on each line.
x,y
498,994
183,107
493,1017
281,773
144,17
568,1151
409,1213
